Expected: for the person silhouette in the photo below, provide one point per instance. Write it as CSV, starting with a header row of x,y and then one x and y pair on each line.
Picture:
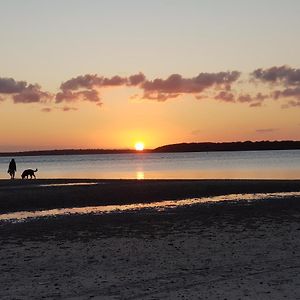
x,y
12,168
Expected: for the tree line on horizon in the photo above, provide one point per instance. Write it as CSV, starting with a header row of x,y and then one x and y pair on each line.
x,y
180,147
230,146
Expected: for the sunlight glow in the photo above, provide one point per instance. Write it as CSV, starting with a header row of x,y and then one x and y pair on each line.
x,y
140,175
139,146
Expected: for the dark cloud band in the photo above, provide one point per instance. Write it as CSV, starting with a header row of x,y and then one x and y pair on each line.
x,y
281,82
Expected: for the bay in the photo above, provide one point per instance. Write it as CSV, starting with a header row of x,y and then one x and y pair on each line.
x,y
283,164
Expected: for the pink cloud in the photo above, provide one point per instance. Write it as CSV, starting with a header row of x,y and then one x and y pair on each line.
x,y
175,84
68,108
69,96
225,96
32,93
221,86
136,79
46,109
255,104
283,74
287,93
90,81
266,130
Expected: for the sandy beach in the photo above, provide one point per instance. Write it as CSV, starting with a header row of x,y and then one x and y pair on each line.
x,y
17,195
226,250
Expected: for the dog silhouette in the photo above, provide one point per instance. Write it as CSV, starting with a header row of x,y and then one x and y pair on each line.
x,y
28,172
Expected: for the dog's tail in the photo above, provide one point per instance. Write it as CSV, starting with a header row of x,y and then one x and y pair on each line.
x,y
35,170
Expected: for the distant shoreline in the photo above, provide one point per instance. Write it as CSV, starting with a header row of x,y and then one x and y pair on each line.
x,y
172,148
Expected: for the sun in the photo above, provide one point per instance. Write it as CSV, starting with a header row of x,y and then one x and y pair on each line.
x,y
139,146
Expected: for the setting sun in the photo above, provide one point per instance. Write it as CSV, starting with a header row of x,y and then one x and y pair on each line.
x,y
139,146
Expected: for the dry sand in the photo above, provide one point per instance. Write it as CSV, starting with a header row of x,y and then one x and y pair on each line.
x,y
244,250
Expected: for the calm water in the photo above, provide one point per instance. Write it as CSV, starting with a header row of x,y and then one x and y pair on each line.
x,y
250,164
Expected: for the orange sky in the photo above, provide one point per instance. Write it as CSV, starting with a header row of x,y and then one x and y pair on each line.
x,y
120,122
106,74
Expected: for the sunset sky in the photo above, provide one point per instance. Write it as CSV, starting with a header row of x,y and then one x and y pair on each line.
x,y
109,73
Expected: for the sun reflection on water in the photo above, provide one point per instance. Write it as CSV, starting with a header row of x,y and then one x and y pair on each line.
x,y
140,175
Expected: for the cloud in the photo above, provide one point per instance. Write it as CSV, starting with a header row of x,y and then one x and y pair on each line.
x,y
291,103
113,81
67,108
283,74
266,130
197,132
86,95
225,96
160,97
86,87
91,81
255,104
175,85
261,97
22,92
136,79
245,98
287,93
46,109
31,94
253,100
222,86
87,81
10,86
285,83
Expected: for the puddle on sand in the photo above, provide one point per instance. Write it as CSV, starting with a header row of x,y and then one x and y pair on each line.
x,y
158,206
30,185
71,184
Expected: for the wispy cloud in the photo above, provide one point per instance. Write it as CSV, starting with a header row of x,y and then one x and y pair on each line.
x,y
68,108
65,108
266,130
225,96
291,103
197,132
255,104
46,109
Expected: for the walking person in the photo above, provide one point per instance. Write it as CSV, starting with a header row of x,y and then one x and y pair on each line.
x,y
12,168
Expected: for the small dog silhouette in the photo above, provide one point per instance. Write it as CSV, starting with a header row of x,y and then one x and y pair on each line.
x,y
28,172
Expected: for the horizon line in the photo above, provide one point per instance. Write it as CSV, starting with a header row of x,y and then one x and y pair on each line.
x,y
132,150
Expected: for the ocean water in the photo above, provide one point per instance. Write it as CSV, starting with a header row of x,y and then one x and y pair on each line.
x,y
283,164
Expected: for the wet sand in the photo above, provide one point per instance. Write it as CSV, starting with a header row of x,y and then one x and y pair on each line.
x,y
17,195
226,250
